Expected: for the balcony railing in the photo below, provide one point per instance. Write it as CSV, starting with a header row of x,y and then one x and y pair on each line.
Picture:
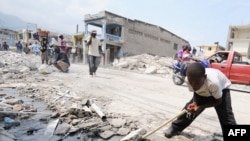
x,y
110,37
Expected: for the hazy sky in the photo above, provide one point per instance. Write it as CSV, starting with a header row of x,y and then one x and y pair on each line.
x,y
198,21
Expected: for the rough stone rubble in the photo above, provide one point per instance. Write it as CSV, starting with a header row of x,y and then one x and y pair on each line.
x,y
74,113
145,63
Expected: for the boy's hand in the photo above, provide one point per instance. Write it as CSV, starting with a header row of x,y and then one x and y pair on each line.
x,y
193,107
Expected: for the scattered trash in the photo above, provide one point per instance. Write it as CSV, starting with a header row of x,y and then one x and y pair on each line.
x,y
10,122
31,130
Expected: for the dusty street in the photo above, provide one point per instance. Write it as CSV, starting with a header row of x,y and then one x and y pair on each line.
x,y
150,99
147,99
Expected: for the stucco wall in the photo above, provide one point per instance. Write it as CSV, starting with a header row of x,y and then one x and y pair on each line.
x,y
140,37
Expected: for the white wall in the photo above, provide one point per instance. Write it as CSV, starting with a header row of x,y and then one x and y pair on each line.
x,y
240,46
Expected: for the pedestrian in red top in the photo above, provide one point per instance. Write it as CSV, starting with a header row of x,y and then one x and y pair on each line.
x,y
63,47
186,59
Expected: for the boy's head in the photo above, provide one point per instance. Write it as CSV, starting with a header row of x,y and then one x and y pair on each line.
x,y
196,75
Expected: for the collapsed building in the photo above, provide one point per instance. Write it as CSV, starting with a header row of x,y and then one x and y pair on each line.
x,y
125,37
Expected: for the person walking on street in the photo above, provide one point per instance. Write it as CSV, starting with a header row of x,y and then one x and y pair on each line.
x,y
26,49
44,50
93,44
63,43
5,46
30,47
210,88
35,48
19,47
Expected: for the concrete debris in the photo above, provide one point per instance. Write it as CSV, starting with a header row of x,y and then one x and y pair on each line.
x,y
118,122
123,131
13,101
77,112
145,63
62,129
151,70
107,134
45,69
5,136
51,128
134,135
55,115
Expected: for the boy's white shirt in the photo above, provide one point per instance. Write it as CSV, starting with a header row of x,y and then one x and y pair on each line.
x,y
216,81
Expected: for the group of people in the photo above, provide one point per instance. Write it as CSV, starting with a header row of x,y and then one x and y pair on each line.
x,y
94,52
19,47
28,47
59,57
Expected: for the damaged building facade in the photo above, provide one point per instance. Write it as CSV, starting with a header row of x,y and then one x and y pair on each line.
x,y
125,37
239,39
8,36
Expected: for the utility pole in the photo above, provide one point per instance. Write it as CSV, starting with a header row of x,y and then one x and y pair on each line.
x,y
77,28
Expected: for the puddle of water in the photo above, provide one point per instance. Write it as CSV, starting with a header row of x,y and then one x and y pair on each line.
x,y
20,132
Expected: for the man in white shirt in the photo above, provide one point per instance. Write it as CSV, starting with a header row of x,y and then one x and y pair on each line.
x,y
211,89
94,47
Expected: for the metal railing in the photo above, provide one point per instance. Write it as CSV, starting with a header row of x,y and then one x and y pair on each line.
x,y
109,37
112,37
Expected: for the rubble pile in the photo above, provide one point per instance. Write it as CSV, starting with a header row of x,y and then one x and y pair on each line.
x,y
16,66
145,63
73,113
70,112
76,115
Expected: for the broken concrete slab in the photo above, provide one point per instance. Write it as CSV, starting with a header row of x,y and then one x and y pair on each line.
x,y
123,131
107,134
62,129
135,135
118,122
51,128
85,125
